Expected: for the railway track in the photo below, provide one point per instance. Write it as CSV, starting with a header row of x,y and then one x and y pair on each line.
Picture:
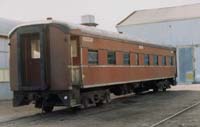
x,y
54,115
64,114
71,114
176,114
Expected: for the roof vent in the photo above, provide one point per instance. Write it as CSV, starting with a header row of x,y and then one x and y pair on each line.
x,y
88,20
49,18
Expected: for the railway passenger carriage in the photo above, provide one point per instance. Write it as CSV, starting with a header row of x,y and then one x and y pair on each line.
x,y
54,63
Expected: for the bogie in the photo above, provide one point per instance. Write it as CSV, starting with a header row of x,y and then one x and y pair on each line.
x,y
95,98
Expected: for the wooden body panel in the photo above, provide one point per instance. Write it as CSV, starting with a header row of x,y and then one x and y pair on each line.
x,y
32,69
60,78
115,45
14,81
57,59
116,75
105,74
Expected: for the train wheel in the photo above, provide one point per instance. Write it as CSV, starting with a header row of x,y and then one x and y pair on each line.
x,y
85,103
137,92
164,89
155,89
100,103
47,109
107,97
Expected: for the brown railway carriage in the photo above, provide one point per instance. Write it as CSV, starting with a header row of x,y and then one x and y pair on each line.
x,y
54,63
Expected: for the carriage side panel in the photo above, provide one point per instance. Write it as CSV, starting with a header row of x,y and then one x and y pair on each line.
x,y
109,74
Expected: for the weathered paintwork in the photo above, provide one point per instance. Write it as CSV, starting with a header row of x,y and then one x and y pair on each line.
x,y
104,74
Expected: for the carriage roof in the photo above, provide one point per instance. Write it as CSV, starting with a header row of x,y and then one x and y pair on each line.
x,y
91,31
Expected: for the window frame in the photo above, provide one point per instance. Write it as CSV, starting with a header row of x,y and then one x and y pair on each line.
x,y
171,60
74,47
164,63
111,59
157,60
35,47
136,58
125,60
96,62
148,62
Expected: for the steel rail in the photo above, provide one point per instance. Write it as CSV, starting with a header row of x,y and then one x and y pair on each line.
x,y
176,114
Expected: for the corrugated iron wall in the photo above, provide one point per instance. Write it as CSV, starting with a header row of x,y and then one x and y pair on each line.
x,y
4,65
5,92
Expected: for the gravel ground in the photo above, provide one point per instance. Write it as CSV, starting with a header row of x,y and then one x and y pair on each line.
x,y
130,111
7,112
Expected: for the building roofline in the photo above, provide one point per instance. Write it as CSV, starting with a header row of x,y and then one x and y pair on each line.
x,y
126,18
164,21
157,9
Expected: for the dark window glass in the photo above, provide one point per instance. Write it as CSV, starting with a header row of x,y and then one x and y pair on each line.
x,y
163,60
155,60
126,58
92,57
171,60
146,59
136,58
111,57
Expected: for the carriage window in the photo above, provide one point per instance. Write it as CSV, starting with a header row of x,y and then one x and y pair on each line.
x,y
136,59
155,60
111,57
127,58
74,48
171,60
35,49
163,60
146,59
92,57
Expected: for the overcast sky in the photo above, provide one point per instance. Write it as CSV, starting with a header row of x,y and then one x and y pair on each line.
x,y
107,12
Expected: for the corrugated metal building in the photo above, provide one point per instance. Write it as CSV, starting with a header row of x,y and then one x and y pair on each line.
x,y
178,26
5,27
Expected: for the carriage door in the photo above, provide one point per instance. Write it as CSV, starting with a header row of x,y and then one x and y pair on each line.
x,y
32,66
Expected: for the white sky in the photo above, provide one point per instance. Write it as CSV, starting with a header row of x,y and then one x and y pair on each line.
x,y
107,12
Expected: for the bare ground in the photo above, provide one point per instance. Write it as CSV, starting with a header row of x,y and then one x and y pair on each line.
x,y
130,111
